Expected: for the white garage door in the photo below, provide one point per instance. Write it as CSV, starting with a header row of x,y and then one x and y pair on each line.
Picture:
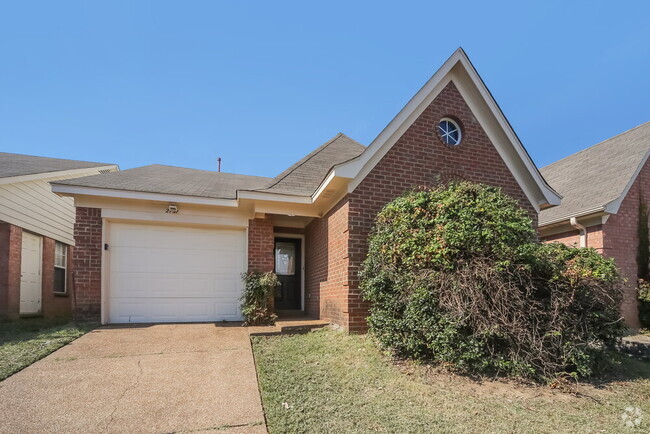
x,y
174,274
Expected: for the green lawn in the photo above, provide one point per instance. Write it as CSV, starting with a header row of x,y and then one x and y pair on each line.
x,y
328,381
25,341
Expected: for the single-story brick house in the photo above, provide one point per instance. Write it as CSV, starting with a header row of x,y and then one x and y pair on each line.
x,y
601,189
36,234
161,243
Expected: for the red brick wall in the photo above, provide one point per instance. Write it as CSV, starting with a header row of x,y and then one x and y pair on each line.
x,y
336,244
87,258
419,158
260,244
53,304
326,257
572,238
618,239
10,253
622,240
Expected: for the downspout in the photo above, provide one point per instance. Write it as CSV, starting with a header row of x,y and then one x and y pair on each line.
x,y
582,229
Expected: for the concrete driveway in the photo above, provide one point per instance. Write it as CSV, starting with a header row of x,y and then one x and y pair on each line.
x,y
150,378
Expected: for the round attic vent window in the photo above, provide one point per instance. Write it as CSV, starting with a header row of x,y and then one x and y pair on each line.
x,y
449,132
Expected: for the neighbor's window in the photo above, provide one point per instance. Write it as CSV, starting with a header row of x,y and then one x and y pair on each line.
x,y
60,261
449,132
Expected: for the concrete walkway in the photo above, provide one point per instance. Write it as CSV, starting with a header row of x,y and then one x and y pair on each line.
x,y
144,379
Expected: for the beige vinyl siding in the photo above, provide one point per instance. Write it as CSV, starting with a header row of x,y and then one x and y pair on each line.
x,y
33,206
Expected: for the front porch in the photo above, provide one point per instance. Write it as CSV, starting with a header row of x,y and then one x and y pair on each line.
x,y
310,257
289,325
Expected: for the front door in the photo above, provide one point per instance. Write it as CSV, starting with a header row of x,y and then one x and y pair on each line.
x,y
288,268
30,274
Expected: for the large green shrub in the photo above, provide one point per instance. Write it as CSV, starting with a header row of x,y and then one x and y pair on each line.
x,y
257,299
644,303
455,276
643,263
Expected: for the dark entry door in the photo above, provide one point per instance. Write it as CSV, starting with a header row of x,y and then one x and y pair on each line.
x,y
288,267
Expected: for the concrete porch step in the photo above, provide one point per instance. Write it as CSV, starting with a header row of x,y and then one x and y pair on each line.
x,y
636,345
291,325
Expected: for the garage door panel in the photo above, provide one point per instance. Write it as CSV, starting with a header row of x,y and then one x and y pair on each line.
x,y
172,285
227,309
135,310
175,274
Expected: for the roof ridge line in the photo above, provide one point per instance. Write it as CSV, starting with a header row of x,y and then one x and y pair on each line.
x,y
200,170
315,152
60,159
594,145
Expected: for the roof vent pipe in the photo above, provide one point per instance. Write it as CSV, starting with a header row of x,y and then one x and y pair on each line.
x,y
219,164
582,229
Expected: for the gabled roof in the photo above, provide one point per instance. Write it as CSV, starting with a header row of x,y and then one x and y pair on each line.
x,y
304,177
19,165
597,178
460,70
337,165
172,180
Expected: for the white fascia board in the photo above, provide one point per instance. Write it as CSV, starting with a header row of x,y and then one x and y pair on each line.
x,y
581,214
274,197
613,206
587,220
179,219
507,156
552,198
70,190
323,185
361,167
55,174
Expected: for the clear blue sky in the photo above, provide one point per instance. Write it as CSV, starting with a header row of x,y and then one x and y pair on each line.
x,y
261,84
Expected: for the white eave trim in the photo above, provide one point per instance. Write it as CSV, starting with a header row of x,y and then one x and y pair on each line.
x,y
70,190
56,174
581,214
323,186
273,197
359,168
613,206
551,196
609,208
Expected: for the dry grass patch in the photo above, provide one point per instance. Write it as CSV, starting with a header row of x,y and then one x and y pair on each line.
x,y
25,341
328,381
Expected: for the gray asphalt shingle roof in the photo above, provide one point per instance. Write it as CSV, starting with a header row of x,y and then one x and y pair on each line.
x,y
596,176
157,178
19,165
304,177
301,179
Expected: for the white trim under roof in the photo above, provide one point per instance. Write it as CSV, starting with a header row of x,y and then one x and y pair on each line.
x,y
566,218
613,206
360,167
610,207
275,197
68,190
56,174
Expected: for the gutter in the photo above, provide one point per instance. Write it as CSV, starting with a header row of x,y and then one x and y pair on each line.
x,y
566,217
583,231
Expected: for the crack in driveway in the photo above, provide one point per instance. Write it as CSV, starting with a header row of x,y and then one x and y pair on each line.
x,y
126,389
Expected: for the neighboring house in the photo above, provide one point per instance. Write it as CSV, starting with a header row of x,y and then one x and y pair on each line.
x,y
36,234
602,187
161,243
